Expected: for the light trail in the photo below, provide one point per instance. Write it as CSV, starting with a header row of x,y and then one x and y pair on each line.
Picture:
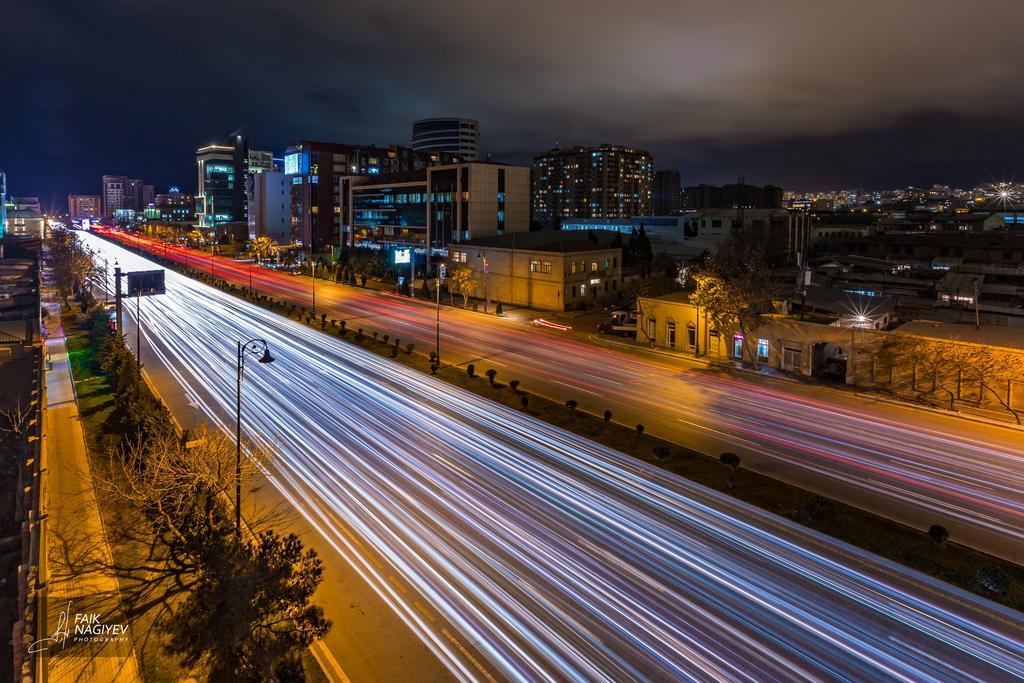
x,y
915,467
557,558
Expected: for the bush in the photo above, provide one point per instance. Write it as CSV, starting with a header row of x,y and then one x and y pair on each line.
x,y
433,356
375,333
514,384
409,348
491,374
571,405
939,534
817,511
639,430
607,416
994,579
385,337
525,401
433,368
470,370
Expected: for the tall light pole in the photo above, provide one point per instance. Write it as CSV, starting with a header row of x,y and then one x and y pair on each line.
x,y
253,347
440,276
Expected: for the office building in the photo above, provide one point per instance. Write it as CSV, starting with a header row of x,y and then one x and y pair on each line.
x,y
3,207
260,161
459,137
732,196
440,205
121,193
609,181
269,203
667,193
222,169
316,171
542,270
148,196
84,206
173,206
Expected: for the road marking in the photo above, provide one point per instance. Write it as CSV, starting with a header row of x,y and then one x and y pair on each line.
x,y
398,584
564,384
327,662
468,655
424,611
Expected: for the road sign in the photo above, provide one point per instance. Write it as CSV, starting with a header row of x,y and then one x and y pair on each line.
x,y
146,283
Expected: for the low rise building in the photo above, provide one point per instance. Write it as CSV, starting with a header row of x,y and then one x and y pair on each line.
x,y
552,271
25,217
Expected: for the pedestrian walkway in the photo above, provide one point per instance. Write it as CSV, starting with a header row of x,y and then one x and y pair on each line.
x,y
86,638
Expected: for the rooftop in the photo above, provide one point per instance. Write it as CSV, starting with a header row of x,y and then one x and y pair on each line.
x,y
550,240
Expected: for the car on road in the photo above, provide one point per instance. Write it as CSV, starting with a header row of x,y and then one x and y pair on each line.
x,y
622,323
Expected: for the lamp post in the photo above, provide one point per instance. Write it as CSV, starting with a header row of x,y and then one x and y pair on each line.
x,y
253,347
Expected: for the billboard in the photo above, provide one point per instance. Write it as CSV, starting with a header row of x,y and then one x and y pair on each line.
x,y
296,163
403,256
146,282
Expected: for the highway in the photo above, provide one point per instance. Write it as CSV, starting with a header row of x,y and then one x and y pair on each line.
x,y
916,467
547,556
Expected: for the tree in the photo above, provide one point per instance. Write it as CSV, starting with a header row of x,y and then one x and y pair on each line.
x,y
464,278
734,287
194,238
938,534
72,264
241,610
262,248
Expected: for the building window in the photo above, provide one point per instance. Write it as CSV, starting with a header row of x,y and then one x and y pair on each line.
x,y
593,266
545,266
737,346
691,335
615,262
762,349
574,291
534,266
606,262
459,256
583,290
671,334
572,267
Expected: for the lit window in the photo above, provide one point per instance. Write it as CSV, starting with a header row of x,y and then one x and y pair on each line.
x,y
762,349
534,266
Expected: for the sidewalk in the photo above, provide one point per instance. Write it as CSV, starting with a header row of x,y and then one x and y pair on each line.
x,y
79,592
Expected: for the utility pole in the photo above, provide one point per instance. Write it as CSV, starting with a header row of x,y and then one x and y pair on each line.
x,y
138,332
977,305
437,344
117,300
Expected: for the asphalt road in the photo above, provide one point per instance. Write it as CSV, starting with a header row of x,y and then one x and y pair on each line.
x,y
516,550
913,466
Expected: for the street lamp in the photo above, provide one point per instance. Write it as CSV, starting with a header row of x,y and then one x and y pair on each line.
x,y
253,347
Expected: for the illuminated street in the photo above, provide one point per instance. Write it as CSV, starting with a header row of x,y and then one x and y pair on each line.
x,y
918,467
553,558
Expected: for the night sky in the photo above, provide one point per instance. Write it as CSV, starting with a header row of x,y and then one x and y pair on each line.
x,y
811,95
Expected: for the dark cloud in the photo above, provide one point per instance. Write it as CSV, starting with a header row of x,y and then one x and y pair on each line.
x,y
808,94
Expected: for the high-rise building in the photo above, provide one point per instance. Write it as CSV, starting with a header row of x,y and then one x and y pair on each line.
x,y
269,206
667,193
460,137
120,193
148,196
221,195
84,206
609,181
316,170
